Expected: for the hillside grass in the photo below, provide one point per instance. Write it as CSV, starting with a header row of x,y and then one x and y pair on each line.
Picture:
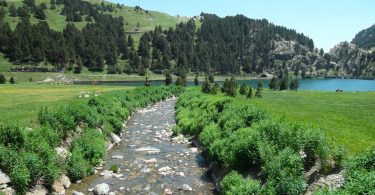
x,y
347,117
23,101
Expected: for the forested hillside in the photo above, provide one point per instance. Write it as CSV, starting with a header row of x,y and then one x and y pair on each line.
x,y
68,35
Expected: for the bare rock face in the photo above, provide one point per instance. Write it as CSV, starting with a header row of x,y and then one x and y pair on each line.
x,y
349,59
4,179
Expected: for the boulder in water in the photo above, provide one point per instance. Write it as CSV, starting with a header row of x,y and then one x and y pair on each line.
x,y
101,189
115,138
185,187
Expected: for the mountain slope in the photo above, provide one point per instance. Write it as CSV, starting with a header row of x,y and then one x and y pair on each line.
x,y
147,20
366,38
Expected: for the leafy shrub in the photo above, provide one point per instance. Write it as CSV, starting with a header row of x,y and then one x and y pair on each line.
x,y
92,144
12,135
34,165
77,166
234,183
114,168
285,172
20,177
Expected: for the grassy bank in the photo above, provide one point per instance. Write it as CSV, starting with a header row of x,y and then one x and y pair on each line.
x,y
266,145
347,117
23,101
81,128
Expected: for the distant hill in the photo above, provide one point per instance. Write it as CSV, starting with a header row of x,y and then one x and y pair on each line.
x,y
137,20
365,39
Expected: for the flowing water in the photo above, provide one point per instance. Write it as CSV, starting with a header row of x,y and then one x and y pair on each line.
x,y
149,162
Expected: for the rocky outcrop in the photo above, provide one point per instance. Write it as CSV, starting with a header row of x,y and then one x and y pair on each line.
x,y
350,60
4,184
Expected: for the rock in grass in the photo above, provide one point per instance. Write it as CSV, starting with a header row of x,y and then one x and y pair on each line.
x,y
101,189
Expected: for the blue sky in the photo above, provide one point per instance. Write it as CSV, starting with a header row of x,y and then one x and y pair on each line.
x,y
327,22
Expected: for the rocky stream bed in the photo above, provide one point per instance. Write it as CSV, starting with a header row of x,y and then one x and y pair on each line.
x,y
150,161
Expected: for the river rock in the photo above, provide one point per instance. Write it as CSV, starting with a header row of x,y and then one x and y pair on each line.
x,y
101,189
148,149
180,174
117,157
194,150
152,160
38,190
4,179
62,152
58,188
180,139
185,187
168,191
115,138
65,181
106,174
78,193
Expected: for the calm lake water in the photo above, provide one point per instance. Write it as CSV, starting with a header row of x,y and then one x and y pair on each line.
x,y
305,84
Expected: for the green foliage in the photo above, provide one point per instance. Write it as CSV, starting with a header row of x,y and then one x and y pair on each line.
x,y
12,81
196,81
211,78
77,166
12,135
206,86
20,177
243,137
215,88
273,83
250,93
294,84
2,79
114,168
92,146
243,89
234,183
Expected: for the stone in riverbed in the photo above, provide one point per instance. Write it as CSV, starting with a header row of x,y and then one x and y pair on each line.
x,y
152,160
101,189
115,138
194,150
185,187
117,157
4,179
148,149
180,174
78,193
58,188
168,191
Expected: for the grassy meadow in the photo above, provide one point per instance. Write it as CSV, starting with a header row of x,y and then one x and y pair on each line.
x,y
23,101
348,117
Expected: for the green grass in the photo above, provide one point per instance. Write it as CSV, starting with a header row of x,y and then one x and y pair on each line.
x,y
23,101
347,117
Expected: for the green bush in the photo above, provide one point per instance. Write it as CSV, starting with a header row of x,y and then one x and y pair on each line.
x,y
77,166
20,177
234,183
92,144
285,172
114,168
34,165
12,135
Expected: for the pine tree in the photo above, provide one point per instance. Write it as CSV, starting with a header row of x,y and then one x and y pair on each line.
x,y
78,66
258,92
284,83
12,81
196,81
2,79
12,10
181,80
273,83
211,78
250,93
225,86
243,89
215,88
294,84
232,87
206,86
168,78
